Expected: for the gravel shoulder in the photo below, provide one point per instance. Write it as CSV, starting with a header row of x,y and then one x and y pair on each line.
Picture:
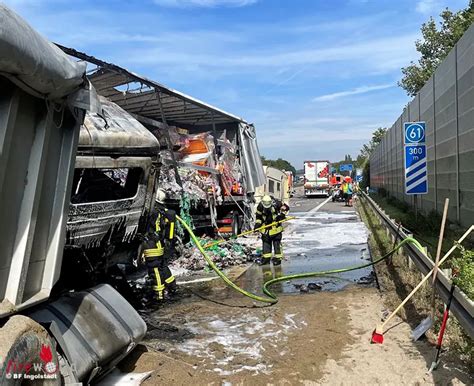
x,y
317,338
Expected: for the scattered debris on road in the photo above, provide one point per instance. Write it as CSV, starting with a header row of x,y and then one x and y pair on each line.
x,y
224,255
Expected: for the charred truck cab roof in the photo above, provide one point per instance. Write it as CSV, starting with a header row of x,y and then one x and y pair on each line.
x,y
115,132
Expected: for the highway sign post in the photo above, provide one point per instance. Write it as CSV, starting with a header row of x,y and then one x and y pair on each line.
x,y
416,174
359,173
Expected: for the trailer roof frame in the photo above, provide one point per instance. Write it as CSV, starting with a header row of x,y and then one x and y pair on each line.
x,y
182,109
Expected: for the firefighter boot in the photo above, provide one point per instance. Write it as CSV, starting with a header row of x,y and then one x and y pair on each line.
x,y
277,247
263,260
276,261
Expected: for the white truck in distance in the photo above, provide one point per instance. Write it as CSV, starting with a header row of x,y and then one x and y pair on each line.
x,y
316,178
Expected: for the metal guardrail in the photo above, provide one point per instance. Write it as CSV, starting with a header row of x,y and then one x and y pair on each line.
x,y
461,307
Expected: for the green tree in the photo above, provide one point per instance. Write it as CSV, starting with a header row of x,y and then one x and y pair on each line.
x,y
366,151
435,46
279,163
368,148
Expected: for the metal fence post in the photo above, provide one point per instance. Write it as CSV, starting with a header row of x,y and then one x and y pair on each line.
x,y
434,147
419,118
456,103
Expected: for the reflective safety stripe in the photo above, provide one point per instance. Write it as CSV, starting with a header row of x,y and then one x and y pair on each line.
x,y
170,279
275,231
159,288
258,212
153,252
157,223
171,230
279,256
267,255
258,221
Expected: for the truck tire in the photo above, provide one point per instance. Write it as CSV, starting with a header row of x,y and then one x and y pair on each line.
x,y
24,343
235,224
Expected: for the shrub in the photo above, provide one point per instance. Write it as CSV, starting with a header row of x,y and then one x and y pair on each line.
x,y
464,268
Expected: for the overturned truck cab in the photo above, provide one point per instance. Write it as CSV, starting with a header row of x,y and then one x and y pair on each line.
x,y
46,335
112,194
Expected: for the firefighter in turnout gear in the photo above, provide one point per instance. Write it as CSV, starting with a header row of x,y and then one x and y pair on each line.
x,y
270,211
159,248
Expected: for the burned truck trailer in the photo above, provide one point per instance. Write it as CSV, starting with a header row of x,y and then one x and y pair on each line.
x,y
210,162
212,189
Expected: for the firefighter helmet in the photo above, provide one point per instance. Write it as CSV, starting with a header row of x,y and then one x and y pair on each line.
x,y
267,201
160,196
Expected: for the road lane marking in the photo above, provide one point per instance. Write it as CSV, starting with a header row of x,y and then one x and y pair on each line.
x,y
320,205
314,210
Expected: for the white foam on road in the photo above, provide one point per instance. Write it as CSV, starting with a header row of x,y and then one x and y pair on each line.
x,y
239,338
325,230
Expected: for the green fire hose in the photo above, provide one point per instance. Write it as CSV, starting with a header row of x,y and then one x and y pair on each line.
x,y
272,298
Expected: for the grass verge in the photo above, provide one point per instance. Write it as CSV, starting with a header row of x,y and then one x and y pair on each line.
x,y
397,277
425,229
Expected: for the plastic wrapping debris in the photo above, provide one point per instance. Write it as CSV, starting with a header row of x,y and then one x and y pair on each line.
x,y
185,207
178,137
195,185
167,181
229,167
224,255
200,185
199,150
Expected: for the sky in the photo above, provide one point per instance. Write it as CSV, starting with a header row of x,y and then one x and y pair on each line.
x,y
316,77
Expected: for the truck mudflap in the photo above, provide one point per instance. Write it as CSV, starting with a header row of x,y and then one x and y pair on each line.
x,y
95,329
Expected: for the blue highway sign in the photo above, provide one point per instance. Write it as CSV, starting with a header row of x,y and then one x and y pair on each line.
x,y
345,168
416,173
359,178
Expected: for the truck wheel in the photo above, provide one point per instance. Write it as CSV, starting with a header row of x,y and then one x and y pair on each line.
x,y
235,224
27,351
